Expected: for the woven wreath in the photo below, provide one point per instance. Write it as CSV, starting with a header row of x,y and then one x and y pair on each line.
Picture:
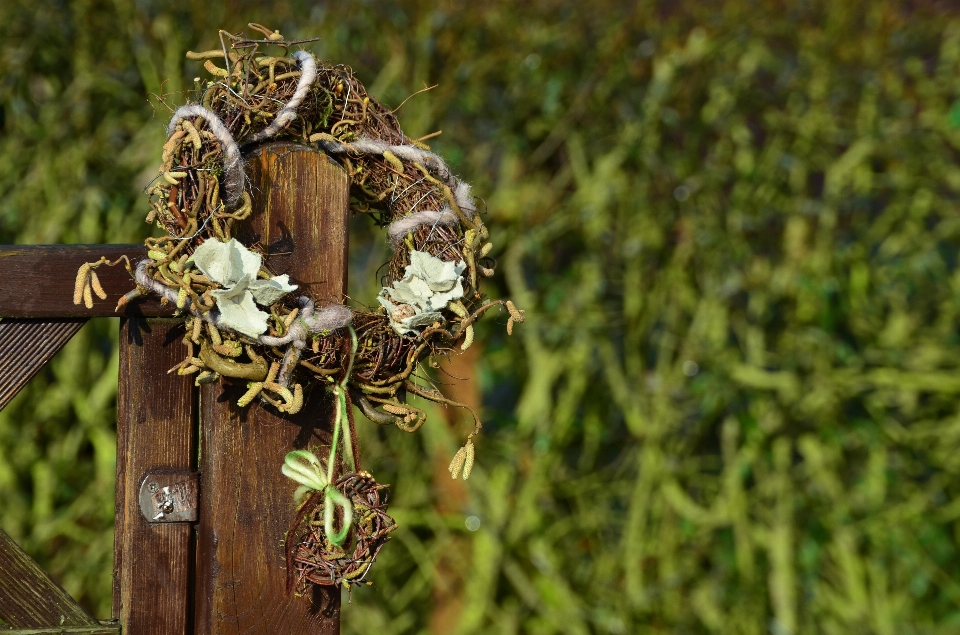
x,y
245,323
313,558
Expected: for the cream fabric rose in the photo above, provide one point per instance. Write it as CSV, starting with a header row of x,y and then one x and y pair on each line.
x,y
235,267
428,285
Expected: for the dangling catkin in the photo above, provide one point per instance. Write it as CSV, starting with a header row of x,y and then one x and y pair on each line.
x,y
457,462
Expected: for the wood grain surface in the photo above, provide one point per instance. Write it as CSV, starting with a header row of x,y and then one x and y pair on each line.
x,y
100,629
37,281
26,345
153,562
301,209
29,598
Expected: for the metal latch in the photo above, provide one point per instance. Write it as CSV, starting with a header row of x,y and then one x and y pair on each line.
x,y
170,496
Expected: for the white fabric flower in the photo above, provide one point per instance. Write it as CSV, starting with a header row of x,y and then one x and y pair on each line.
x,y
236,267
428,285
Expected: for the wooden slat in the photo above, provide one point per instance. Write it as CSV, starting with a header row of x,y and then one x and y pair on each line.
x,y
301,207
37,281
26,346
155,428
103,629
29,598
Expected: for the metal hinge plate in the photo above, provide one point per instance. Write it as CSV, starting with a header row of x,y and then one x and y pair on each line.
x,y
170,496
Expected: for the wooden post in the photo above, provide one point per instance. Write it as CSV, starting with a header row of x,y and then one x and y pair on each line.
x,y
156,430
300,221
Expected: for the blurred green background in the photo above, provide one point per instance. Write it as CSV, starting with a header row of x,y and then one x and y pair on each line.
x,y
734,227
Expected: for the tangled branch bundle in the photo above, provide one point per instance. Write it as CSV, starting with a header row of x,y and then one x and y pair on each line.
x,y
243,322
318,560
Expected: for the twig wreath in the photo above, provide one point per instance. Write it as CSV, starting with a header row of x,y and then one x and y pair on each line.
x,y
244,323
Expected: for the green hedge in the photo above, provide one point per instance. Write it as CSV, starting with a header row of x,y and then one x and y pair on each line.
x,y
734,228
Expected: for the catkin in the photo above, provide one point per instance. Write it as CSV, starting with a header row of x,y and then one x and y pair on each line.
x,y
87,297
197,325
515,313
457,463
253,389
95,284
81,283
214,70
468,462
192,133
392,159
205,377
297,404
467,338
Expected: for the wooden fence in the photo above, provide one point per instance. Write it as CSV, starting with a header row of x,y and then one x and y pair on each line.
x,y
201,505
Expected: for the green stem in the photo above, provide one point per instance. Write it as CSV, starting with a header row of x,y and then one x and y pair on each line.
x,y
332,498
340,392
331,495
343,415
331,462
353,354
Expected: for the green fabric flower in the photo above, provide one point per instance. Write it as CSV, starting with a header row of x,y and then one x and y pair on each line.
x,y
235,267
428,285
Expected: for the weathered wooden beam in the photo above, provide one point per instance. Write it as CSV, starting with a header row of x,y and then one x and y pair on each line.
x,y
301,209
102,629
37,281
156,428
26,346
29,598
